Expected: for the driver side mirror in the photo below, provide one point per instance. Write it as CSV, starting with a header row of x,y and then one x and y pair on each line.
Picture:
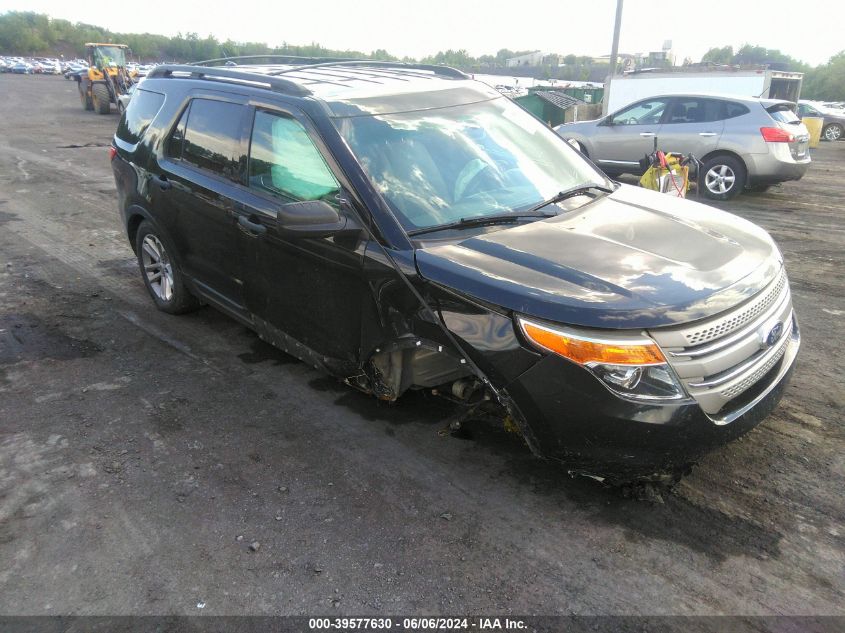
x,y
608,120
309,218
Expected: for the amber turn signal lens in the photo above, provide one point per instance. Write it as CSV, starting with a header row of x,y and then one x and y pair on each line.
x,y
584,350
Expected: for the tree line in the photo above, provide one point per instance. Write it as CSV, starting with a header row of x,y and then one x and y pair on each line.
x,y
34,34
825,81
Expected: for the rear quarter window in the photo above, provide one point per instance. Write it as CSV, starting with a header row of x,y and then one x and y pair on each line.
x,y
733,110
142,109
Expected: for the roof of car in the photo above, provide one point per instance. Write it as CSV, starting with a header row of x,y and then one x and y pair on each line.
x,y
725,95
339,81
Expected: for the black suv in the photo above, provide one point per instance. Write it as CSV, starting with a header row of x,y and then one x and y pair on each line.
x,y
404,227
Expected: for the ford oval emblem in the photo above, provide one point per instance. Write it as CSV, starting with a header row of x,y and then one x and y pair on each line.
x,y
774,334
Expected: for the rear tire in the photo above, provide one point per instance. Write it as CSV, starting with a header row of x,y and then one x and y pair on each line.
x,y
87,103
832,132
722,177
101,99
161,273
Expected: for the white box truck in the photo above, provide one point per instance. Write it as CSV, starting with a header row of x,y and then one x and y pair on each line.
x,y
768,84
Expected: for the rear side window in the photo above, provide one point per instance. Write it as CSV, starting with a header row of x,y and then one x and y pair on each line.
x,y
782,112
213,137
142,109
696,110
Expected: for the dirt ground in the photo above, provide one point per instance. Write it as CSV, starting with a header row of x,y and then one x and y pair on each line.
x,y
141,454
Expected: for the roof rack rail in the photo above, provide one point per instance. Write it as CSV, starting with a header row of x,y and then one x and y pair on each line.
x,y
295,60
289,59
229,74
445,71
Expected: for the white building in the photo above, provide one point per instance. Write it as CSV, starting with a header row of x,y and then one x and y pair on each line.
x,y
529,59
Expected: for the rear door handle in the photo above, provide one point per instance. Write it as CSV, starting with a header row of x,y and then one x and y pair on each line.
x,y
251,227
707,134
647,134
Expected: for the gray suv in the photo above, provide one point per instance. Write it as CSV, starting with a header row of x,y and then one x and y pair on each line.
x,y
742,142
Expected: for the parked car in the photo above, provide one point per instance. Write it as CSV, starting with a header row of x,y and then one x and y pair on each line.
x,y
742,142
403,228
124,98
52,67
22,68
72,71
833,125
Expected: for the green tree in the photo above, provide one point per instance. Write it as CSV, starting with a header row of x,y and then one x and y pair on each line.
x,y
723,55
827,81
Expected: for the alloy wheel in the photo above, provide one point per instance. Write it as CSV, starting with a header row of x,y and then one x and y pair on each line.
x,y
720,179
157,267
833,133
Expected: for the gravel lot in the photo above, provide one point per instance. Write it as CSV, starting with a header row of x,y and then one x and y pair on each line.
x,y
141,454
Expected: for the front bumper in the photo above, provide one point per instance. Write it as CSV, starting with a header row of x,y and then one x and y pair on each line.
x,y
576,420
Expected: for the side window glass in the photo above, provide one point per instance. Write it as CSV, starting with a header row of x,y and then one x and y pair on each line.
x,y
284,162
694,111
734,110
174,143
213,137
643,113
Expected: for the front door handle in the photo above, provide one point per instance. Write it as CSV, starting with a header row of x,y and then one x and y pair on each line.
x,y
647,134
707,134
251,227
163,183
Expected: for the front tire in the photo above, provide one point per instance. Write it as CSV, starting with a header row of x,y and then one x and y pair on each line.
x,y
101,98
832,132
160,272
722,177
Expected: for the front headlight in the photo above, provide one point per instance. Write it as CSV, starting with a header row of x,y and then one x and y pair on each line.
x,y
630,366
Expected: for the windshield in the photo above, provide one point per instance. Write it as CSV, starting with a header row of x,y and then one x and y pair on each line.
x,y
442,165
109,56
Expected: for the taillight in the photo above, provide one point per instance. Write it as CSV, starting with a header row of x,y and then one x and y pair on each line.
x,y
776,135
112,152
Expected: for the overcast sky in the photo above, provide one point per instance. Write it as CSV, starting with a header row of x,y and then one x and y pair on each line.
x,y
810,30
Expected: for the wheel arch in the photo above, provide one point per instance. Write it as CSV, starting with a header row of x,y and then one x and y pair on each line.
x,y
134,216
725,152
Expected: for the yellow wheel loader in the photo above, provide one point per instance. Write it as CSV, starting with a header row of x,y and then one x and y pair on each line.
x,y
106,77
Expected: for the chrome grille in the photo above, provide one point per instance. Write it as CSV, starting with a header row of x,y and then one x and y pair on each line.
x,y
731,352
746,382
728,324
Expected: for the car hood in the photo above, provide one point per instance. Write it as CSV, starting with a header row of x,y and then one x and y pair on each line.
x,y
632,259
575,126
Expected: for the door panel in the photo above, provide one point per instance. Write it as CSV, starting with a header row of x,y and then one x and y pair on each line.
x,y
311,289
693,126
629,135
200,175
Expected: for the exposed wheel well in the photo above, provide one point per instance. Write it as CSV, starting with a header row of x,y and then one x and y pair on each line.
x,y
132,227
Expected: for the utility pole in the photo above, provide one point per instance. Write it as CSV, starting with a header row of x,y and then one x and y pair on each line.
x,y
614,53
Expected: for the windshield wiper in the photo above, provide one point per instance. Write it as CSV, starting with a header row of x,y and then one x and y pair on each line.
x,y
569,193
485,220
